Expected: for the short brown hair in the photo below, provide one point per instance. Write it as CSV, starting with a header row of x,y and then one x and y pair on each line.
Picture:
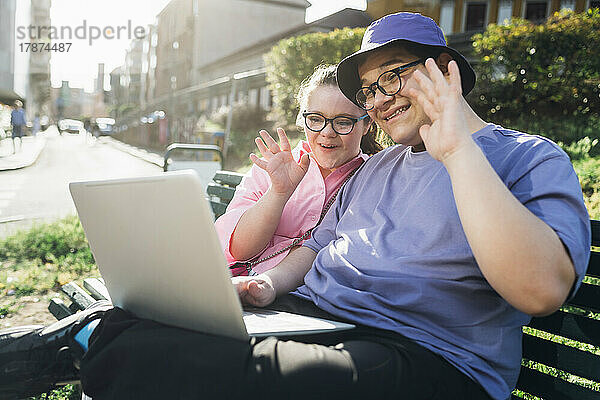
x,y
324,75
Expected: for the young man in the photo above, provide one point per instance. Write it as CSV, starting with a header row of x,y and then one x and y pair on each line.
x,y
432,250
17,119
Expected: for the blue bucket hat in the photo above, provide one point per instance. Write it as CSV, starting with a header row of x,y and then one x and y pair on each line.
x,y
398,28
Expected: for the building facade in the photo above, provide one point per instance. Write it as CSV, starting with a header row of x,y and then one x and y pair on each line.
x,y
24,75
209,54
460,16
38,91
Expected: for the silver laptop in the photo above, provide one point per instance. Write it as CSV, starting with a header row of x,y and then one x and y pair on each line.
x,y
156,247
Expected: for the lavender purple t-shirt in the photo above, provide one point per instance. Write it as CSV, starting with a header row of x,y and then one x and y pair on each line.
x,y
392,253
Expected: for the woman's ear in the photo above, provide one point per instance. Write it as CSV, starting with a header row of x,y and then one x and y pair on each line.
x,y
442,62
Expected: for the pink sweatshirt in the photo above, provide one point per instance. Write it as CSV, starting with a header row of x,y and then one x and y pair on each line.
x,y
301,212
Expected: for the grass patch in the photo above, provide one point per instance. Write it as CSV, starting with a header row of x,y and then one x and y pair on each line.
x,y
523,395
61,241
592,280
40,260
44,258
557,373
6,309
67,392
562,340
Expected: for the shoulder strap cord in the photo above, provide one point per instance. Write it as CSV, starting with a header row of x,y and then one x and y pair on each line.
x,y
298,240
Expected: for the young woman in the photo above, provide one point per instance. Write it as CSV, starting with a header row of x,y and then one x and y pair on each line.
x,y
287,191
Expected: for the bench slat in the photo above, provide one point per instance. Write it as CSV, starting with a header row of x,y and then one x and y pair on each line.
x,y
594,265
74,307
218,208
58,308
569,359
576,327
228,178
79,296
224,193
96,288
550,388
595,232
587,297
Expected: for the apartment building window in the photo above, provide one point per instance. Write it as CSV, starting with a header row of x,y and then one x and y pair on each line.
x,y
536,11
475,16
567,5
265,98
504,12
447,16
253,97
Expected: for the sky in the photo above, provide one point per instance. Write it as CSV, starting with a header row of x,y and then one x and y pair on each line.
x,y
79,65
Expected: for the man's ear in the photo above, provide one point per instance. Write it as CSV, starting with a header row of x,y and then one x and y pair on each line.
x,y
442,62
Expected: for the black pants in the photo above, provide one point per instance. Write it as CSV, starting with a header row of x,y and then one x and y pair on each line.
x,y
140,359
17,131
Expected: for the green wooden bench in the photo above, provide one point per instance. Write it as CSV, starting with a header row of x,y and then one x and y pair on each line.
x,y
562,348
221,190
561,352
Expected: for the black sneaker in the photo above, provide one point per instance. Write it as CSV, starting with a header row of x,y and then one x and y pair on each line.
x,y
36,359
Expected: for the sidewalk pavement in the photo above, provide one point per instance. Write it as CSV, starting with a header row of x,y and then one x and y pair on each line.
x,y
26,154
33,146
145,155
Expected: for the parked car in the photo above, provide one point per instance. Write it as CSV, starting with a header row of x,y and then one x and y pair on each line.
x,y
105,126
70,126
44,122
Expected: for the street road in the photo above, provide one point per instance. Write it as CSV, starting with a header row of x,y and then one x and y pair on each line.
x,y
40,192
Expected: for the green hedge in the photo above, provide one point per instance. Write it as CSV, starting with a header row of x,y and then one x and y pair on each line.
x,y
246,121
586,161
52,242
44,257
542,79
293,59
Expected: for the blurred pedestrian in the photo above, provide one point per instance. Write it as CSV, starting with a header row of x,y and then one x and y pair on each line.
x,y
95,129
17,119
87,126
36,125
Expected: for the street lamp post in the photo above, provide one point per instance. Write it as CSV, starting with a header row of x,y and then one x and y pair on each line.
x,y
171,118
229,115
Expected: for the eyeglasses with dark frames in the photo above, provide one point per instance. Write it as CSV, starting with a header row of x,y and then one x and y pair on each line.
x,y
341,125
388,83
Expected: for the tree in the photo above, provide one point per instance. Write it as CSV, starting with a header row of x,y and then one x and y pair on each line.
x,y
293,59
543,78
247,120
